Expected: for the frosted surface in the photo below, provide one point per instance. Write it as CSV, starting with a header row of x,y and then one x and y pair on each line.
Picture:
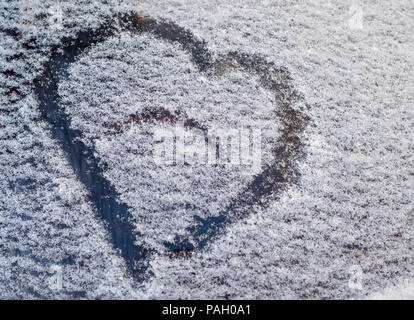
x,y
352,207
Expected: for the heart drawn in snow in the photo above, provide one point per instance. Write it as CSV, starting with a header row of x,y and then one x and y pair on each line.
x,y
177,207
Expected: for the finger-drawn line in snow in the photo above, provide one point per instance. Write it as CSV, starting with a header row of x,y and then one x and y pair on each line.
x,y
265,186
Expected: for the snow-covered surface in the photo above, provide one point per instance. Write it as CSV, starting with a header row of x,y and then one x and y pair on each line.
x,y
403,291
344,231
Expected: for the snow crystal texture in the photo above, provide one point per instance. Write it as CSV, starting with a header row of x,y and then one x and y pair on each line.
x,y
345,230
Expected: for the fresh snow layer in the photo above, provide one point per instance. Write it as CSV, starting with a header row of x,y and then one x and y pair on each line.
x,y
344,231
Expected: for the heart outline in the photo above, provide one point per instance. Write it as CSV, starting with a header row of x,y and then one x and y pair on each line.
x,y
264,187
